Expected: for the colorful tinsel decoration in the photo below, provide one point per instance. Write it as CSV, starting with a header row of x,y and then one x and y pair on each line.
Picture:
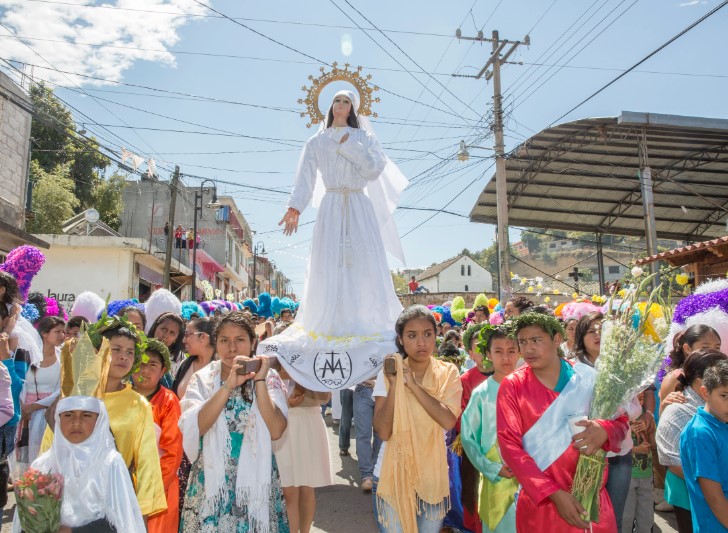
x,y
23,263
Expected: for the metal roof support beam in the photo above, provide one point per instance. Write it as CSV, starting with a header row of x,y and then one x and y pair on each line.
x,y
648,200
710,220
564,146
600,263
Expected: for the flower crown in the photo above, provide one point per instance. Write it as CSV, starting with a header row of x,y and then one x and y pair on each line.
x,y
549,324
107,323
486,334
471,332
153,345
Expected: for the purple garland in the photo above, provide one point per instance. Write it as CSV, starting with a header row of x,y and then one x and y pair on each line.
x,y
699,303
23,263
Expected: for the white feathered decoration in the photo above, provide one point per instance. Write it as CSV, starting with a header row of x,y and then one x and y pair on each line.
x,y
161,301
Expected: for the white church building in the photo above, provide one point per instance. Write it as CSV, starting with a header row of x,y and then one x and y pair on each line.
x,y
459,274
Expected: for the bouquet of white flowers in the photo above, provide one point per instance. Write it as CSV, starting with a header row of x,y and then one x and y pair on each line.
x,y
627,364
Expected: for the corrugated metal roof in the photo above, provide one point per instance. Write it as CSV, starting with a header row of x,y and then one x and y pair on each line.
x,y
584,176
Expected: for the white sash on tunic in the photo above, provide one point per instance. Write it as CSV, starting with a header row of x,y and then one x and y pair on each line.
x,y
550,436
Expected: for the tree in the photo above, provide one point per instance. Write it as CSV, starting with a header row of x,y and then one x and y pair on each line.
x,y
50,131
533,241
400,283
53,198
57,144
87,171
107,200
488,258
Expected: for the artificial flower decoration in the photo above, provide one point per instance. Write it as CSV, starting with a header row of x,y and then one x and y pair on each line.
x,y
23,263
547,299
556,292
530,289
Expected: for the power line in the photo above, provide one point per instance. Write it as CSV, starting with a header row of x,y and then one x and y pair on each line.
x,y
87,94
398,62
410,57
648,56
592,38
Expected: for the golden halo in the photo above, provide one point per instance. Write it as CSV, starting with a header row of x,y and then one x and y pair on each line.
x,y
361,83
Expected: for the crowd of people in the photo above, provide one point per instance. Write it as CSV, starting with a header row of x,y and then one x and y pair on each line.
x,y
459,431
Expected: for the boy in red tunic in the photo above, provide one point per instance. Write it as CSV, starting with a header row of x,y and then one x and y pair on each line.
x,y
533,407
166,411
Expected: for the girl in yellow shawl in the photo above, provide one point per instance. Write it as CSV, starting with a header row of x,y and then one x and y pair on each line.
x,y
414,407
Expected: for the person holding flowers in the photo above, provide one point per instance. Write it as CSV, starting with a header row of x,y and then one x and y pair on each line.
x,y
130,415
496,506
532,418
97,493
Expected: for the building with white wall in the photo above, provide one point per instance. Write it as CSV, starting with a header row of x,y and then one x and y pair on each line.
x,y
115,267
459,274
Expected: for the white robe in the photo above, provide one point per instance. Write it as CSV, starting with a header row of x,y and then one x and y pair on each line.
x,y
97,483
345,325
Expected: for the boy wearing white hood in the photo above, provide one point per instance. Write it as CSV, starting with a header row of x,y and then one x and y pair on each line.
x,y
97,495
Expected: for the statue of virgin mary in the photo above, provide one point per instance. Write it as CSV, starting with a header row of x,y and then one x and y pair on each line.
x,y
345,323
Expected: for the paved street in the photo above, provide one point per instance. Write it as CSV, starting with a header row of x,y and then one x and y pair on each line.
x,y
343,508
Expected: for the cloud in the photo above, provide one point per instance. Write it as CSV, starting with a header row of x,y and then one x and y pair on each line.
x,y
693,3
104,27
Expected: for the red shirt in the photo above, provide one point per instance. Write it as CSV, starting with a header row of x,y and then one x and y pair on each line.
x,y
413,286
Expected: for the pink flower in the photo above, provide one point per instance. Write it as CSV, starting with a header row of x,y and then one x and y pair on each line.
x,y
32,510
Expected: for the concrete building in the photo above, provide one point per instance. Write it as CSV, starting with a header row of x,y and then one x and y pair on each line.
x,y
224,243
15,120
115,267
459,274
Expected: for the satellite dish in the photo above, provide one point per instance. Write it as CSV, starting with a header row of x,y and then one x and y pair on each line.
x,y
91,216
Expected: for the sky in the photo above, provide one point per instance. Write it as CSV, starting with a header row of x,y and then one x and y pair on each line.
x,y
213,86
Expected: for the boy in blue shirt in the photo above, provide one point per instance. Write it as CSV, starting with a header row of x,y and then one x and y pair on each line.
x,y
704,454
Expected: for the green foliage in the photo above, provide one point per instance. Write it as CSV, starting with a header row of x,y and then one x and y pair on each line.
x,y
400,284
107,200
488,258
86,171
53,198
533,241
57,144
51,145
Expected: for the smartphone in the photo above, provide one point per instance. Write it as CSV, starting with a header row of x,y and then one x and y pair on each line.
x,y
390,366
253,365
250,365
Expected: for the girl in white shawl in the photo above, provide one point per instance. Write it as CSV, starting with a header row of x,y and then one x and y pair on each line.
x,y
228,422
42,387
97,495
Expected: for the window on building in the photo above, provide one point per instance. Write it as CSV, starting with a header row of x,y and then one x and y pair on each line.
x,y
469,270
466,288
462,270
614,269
552,245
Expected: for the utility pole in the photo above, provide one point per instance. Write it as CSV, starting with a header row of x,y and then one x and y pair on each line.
x,y
501,187
172,204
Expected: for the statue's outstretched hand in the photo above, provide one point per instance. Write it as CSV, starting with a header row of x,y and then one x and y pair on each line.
x,y
290,219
